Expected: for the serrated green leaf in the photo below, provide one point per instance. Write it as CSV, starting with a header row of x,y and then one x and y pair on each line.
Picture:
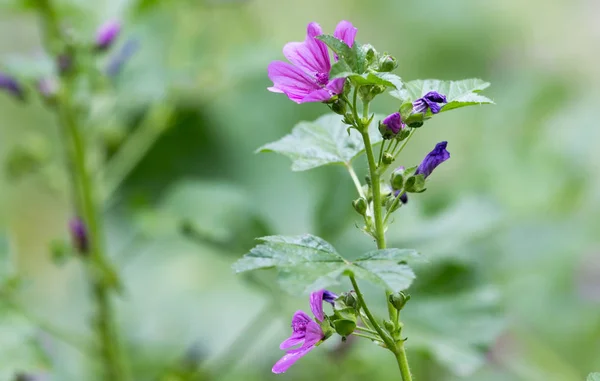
x,y
593,377
306,263
380,79
458,93
340,48
322,142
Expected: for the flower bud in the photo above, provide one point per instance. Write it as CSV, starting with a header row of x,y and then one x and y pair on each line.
x,y
415,184
48,88
344,321
339,107
107,34
415,120
434,158
431,101
360,205
399,299
349,299
79,235
389,326
388,158
387,63
12,86
397,178
391,125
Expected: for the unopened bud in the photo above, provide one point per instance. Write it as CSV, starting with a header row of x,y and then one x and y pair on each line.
x,y
12,86
389,326
344,321
349,299
388,158
79,235
387,63
397,178
360,205
339,107
107,34
399,299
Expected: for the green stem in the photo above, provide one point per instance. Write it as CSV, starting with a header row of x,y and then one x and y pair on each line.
x,y
355,180
370,337
366,330
389,342
403,363
410,134
98,269
393,206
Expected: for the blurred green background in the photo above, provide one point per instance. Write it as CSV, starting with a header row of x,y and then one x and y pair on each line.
x,y
510,224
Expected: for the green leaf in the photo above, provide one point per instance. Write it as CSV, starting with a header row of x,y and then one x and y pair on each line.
x,y
325,141
458,93
593,377
340,48
455,329
340,69
7,269
381,79
306,263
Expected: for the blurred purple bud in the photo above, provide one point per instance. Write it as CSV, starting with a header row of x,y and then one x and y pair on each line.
x,y
79,235
12,86
329,296
391,125
434,158
64,62
431,101
107,34
48,87
403,196
117,62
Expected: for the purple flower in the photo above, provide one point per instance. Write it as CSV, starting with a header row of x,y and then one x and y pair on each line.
x,y
12,86
431,101
433,159
306,78
107,34
391,125
48,87
117,62
79,235
403,196
305,331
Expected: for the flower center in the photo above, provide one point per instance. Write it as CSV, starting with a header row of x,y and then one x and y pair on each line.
x,y
322,78
299,326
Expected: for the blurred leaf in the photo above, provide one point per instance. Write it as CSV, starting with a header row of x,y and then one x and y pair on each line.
x,y
325,141
593,377
21,351
458,93
31,68
7,269
214,213
306,263
455,329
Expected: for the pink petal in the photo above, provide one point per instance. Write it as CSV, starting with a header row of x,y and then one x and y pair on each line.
x,y
290,359
300,318
336,86
346,32
316,304
290,80
292,341
320,95
311,55
314,334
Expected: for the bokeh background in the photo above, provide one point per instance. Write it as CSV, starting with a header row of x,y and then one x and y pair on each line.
x,y
510,224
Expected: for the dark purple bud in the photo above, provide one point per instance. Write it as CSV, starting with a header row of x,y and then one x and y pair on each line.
x,y
329,296
12,86
403,196
64,62
391,125
433,159
431,100
116,62
107,34
79,235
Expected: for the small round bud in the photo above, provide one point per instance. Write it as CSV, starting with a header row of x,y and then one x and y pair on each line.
x,y
415,120
349,299
339,107
388,158
389,326
399,299
387,63
107,34
344,321
360,205
397,178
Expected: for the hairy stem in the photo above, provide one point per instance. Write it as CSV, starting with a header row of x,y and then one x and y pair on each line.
x,y
403,362
100,277
389,342
355,180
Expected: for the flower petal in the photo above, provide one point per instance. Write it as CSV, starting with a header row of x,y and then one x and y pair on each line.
x,y
311,55
316,304
346,32
292,341
290,80
434,158
290,359
336,86
314,334
320,95
300,320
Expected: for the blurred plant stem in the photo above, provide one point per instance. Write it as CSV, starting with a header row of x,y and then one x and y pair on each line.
x,y
135,147
396,346
99,272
